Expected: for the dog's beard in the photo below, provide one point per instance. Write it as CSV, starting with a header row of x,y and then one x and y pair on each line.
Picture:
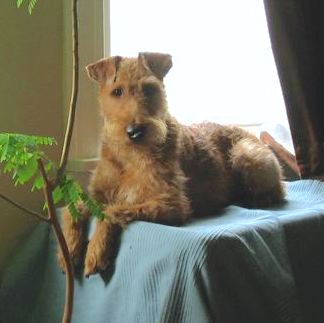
x,y
155,134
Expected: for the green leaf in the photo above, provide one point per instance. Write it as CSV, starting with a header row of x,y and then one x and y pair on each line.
x,y
8,168
4,147
45,206
57,195
73,194
19,3
38,183
74,211
95,208
26,172
31,6
49,166
19,154
27,139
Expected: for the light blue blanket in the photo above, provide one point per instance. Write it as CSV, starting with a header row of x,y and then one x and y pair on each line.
x,y
242,265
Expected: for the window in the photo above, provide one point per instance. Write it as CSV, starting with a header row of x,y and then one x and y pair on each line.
x,y
87,128
223,67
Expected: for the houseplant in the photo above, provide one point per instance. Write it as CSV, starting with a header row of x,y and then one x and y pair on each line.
x,y
23,157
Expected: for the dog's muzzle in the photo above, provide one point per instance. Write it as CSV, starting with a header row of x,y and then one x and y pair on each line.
x,y
135,132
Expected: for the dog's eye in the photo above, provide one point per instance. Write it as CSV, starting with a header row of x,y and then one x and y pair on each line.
x,y
118,92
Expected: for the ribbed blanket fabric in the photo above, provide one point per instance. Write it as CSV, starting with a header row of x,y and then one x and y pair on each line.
x,y
242,265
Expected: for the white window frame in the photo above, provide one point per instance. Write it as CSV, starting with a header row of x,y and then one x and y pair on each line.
x,y
252,120
93,28
106,26
95,38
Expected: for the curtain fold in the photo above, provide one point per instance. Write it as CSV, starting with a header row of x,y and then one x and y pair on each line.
x,y
297,36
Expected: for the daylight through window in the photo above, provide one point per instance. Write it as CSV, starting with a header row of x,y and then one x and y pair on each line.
x,y
223,67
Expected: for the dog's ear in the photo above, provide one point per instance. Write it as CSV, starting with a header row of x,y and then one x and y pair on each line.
x,y
104,70
158,64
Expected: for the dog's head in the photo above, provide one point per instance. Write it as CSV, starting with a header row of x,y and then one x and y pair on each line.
x,y
132,97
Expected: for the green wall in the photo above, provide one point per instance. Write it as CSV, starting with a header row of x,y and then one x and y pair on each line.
x,y
31,97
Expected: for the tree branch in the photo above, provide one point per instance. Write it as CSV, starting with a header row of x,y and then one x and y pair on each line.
x,y
23,208
69,289
74,93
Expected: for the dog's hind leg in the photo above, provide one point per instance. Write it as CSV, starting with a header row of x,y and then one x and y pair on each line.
x,y
258,173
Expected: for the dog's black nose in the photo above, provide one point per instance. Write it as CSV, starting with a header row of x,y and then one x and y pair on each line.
x,y
135,132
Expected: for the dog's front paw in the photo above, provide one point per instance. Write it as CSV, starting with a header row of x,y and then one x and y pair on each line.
x,y
76,252
97,257
121,216
61,261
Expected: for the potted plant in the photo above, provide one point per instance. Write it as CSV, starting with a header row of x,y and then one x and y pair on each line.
x,y
23,157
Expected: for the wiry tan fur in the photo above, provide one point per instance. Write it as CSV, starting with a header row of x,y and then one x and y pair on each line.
x,y
173,172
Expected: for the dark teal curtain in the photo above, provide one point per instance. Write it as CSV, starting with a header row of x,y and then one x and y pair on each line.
x,y
297,35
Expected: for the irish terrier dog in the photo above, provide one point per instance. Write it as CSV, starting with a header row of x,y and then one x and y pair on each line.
x,y
152,168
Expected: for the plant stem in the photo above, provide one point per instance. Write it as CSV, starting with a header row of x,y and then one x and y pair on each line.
x,y
74,93
69,288
23,208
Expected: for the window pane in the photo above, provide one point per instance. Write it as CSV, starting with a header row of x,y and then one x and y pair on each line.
x,y
223,68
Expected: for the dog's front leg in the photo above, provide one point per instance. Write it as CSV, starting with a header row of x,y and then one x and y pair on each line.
x,y
158,210
75,235
102,245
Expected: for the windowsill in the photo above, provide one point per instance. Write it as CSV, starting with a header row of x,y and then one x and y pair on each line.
x,y
82,165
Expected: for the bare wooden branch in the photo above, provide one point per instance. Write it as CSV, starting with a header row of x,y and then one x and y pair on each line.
x,y
69,289
281,151
74,93
23,208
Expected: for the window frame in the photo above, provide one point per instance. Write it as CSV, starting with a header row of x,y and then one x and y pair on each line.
x,y
93,45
